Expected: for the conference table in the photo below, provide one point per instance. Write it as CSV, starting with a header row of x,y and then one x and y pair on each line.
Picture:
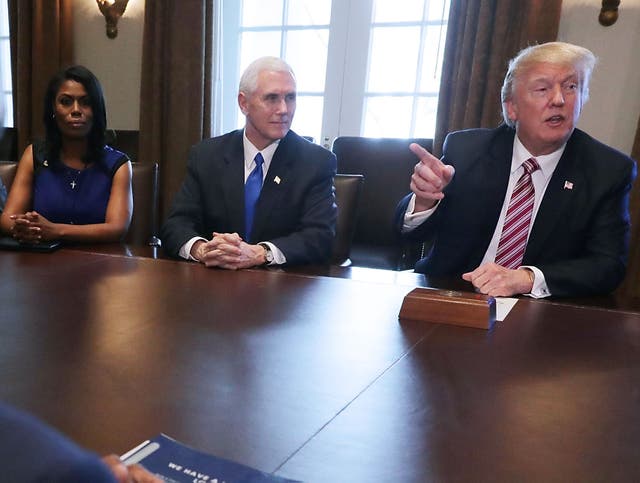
x,y
310,375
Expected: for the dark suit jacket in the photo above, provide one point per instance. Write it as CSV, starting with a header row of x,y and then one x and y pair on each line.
x,y
32,452
296,210
580,236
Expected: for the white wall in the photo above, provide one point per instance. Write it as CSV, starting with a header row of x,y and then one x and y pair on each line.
x,y
116,62
611,115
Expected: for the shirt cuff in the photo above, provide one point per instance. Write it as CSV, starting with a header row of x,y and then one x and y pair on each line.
x,y
185,250
413,220
539,289
278,256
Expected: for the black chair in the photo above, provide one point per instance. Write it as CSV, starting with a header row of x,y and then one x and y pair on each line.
x,y
8,172
348,192
125,141
144,223
9,144
387,165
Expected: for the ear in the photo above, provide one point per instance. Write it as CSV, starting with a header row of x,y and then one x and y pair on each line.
x,y
512,110
242,102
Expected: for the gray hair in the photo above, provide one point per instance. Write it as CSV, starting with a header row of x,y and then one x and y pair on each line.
x,y
249,79
556,53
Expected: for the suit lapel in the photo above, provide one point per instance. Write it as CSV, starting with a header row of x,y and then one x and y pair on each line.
x,y
557,198
232,182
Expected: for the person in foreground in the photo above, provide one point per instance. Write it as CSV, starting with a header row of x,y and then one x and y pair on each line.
x,y
31,451
565,230
71,187
259,195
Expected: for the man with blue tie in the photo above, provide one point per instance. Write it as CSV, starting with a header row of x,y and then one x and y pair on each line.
x,y
261,195
535,206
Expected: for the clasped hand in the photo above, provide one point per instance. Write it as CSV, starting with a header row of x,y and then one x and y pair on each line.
x,y
32,227
228,250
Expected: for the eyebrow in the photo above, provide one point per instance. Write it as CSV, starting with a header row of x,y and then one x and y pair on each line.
x,y
276,93
565,79
64,94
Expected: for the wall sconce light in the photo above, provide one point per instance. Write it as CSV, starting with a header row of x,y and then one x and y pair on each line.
x,y
112,11
609,12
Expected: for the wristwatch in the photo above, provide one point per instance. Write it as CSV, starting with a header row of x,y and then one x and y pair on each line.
x,y
268,254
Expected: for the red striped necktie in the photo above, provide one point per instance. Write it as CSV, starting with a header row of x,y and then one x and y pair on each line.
x,y
513,239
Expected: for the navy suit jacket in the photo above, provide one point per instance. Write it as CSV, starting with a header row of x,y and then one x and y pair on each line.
x,y
580,236
296,210
31,452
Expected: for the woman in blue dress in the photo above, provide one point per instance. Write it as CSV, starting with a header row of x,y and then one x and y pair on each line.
x,y
71,187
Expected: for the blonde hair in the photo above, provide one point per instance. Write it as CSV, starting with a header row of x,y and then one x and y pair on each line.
x,y
556,53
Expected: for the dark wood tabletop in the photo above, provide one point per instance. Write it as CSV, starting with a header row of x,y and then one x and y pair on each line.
x,y
313,377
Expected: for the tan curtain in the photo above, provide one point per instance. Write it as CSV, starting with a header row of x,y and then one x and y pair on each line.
x,y
41,43
482,35
631,285
175,95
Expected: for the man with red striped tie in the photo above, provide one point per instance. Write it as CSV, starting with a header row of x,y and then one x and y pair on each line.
x,y
534,206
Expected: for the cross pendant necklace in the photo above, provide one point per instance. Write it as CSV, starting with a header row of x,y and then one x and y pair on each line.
x,y
73,174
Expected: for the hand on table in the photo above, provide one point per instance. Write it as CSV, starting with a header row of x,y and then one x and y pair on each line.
x,y
497,281
32,227
228,250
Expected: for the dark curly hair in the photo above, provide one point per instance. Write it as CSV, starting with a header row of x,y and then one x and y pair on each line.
x,y
96,137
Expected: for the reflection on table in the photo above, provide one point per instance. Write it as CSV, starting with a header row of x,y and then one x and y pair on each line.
x,y
312,376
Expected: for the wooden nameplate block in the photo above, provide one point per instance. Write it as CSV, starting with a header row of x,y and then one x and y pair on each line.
x,y
449,307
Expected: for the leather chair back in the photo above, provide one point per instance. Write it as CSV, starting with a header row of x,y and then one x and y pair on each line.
x,y
348,192
8,172
9,144
144,223
387,165
126,141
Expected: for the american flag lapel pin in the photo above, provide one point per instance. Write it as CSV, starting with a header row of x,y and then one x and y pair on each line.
x,y
568,185
277,180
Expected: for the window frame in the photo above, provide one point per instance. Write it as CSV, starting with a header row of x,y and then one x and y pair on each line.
x,y
345,93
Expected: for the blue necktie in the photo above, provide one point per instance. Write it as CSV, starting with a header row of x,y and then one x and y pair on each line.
x,y
251,193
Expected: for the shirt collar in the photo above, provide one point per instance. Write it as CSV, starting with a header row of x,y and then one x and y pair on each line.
x,y
250,152
547,162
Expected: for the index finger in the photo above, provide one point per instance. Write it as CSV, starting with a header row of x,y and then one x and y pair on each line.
x,y
425,156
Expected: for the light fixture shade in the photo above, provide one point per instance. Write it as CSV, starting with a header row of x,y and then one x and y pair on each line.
x,y
609,12
112,11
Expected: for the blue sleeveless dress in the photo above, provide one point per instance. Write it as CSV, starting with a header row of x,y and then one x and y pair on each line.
x,y
65,195
3,195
